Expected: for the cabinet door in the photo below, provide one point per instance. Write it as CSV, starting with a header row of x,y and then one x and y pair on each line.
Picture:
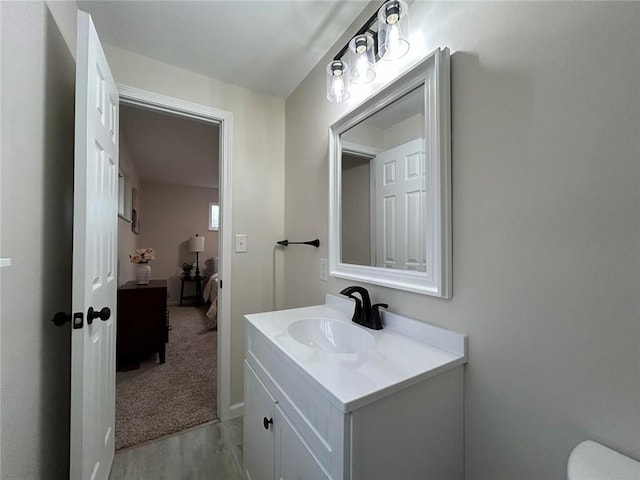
x,y
258,442
294,460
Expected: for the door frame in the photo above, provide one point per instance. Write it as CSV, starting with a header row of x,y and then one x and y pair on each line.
x,y
161,103
370,153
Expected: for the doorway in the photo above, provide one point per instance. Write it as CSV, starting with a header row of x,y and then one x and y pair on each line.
x,y
208,332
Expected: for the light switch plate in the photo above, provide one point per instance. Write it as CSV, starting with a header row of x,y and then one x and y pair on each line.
x,y
324,270
241,243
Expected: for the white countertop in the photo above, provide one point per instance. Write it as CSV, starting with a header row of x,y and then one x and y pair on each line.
x,y
352,380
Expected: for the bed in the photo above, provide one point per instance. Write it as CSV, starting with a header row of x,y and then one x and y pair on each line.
x,y
210,294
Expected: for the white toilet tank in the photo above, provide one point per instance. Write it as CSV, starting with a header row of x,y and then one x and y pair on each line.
x,y
592,461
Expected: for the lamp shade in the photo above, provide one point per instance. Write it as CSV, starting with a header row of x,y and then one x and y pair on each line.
x,y
196,244
337,81
362,59
393,24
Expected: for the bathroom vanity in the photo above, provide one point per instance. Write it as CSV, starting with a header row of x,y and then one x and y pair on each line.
x,y
328,399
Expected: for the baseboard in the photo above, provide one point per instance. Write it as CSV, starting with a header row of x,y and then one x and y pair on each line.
x,y
172,303
236,410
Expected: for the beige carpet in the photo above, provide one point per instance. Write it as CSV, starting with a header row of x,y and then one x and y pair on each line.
x,y
157,400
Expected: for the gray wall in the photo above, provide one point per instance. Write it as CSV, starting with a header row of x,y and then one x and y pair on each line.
x,y
546,265
171,214
38,88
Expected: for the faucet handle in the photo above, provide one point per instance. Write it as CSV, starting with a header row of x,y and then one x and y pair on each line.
x,y
376,321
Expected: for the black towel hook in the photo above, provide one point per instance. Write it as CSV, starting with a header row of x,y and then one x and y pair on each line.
x,y
315,243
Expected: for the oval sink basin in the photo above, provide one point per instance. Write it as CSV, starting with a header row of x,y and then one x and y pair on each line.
x,y
331,335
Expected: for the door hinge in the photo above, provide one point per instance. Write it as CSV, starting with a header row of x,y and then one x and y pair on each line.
x,y
220,284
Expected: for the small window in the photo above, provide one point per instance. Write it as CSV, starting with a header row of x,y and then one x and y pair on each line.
x,y
214,216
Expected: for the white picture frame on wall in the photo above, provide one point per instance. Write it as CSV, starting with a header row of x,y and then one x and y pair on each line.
x,y
214,217
124,196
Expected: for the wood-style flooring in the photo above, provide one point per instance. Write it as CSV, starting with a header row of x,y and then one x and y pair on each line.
x,y
209,452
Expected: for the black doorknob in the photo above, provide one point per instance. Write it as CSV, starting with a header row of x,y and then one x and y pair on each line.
x,y
60,318
266,422
103,314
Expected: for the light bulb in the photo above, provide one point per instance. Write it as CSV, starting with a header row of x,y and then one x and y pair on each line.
x,y
338,88
396,45
362,68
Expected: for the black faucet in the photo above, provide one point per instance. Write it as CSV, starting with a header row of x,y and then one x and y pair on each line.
x,y
365,314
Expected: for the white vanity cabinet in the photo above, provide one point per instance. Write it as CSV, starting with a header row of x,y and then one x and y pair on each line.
x,y
393,413
259,411
272,446
294,459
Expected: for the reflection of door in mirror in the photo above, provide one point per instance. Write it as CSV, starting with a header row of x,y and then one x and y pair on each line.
x,y
399,206
383,187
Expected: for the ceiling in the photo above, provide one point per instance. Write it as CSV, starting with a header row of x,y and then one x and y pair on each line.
x,y
170,149
268,46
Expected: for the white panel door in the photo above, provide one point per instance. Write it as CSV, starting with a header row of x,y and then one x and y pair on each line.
x,y
258,439
94,260
400,203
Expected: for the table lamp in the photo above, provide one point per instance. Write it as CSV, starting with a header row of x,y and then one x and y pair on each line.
x,y
196,245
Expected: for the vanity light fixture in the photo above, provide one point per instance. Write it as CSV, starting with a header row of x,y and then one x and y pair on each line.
x,y
367,47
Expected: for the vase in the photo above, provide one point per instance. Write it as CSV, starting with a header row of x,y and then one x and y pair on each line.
x,y
143,273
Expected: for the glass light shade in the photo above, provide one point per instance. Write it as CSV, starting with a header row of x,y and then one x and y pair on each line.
x,y
393,25
337,81
362,59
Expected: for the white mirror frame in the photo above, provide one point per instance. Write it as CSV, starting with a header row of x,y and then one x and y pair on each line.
x,y
433,73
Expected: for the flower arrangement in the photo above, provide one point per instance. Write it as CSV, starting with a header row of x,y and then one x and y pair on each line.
x,y
143,255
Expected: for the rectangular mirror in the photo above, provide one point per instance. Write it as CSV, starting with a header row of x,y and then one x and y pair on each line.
x,y
390,218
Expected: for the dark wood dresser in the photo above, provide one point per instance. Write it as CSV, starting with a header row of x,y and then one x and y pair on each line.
x,y
143,322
